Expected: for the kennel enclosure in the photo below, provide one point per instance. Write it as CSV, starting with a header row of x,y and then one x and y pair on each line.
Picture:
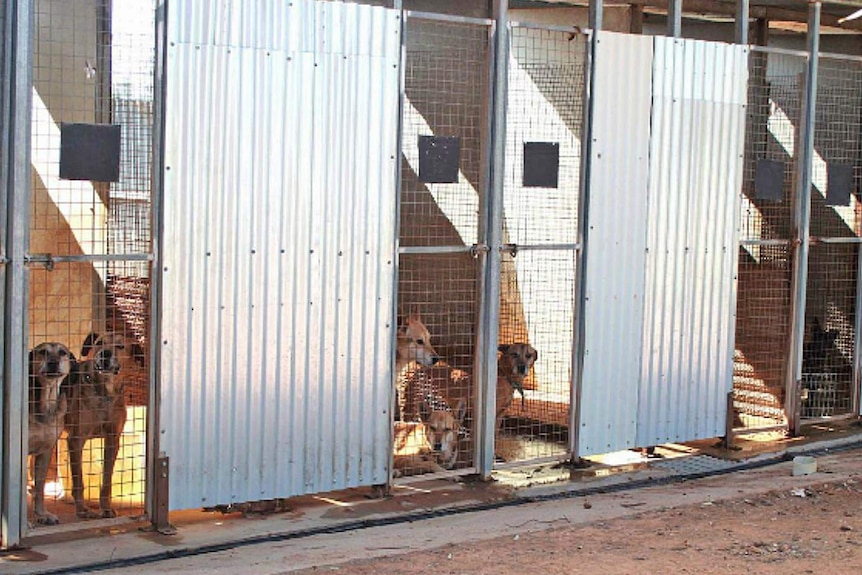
x,y
626,204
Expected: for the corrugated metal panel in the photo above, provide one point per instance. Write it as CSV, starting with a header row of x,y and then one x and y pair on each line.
x,y
698,129
299,25
267,24
278,278
617,234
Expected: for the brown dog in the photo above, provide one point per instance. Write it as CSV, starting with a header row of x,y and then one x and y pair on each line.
x,y
50,365
430,445
96,409
515,362
413,347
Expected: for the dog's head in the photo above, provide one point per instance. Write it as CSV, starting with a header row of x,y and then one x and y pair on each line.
x,y
101,371
51,361
815,352
116,342
517,360
50,364
414,343
441,428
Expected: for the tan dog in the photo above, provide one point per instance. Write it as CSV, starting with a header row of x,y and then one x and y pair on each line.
x,y
50,365
413,347
96,409
430,445
515,362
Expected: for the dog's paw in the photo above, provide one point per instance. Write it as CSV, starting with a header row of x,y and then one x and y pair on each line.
x,y
108,514
47,519
87,514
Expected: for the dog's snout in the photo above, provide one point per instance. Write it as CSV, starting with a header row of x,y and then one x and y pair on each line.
x,y
106,360
435,359
438,446
522,369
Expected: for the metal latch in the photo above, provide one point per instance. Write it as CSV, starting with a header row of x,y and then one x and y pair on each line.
x,y
477,249
512,249
46,260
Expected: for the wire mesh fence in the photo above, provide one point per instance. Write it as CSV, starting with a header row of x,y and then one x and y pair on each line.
x,y
444,138
830,338
833,264
437,310
836,172
763,319
444,124
545,114
90,236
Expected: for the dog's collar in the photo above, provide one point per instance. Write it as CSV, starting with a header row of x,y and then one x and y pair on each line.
x,y
517,386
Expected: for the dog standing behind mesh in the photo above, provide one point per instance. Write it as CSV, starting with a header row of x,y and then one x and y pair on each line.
x,y
50,364
97,408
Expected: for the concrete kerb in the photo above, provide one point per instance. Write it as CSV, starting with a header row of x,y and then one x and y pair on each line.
x,y
613,483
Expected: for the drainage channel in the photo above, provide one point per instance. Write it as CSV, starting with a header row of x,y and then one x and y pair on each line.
x,y
698,467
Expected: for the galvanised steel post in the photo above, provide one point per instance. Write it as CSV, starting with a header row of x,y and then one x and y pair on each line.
x,y
18,70
489,332
802,220
742,13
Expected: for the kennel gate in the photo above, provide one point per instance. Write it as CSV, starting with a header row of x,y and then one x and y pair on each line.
x,y
90,247
830,384
765,276
80,231
445,127
546,97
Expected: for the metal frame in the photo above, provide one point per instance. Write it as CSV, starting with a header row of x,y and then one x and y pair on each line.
x,y
489,327
581,261
13,502
802,221
152,502
742,13
5,134
479,250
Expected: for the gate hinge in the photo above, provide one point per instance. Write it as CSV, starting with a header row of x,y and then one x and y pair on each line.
x,y
160,511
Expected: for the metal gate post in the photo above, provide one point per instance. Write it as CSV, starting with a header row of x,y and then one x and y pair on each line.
x,y
802,220
156,500
856,392
489,325
17,99
742,14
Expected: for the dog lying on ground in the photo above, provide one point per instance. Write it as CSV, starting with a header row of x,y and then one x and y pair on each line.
x,y
515,362
50,365
97,408
429,445
413,347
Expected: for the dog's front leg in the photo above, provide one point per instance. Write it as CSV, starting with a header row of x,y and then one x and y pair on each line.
x,y
40,471
112,448
76,455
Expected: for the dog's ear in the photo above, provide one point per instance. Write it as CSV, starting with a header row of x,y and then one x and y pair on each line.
x,y
535,354
503,347
138,354
89,343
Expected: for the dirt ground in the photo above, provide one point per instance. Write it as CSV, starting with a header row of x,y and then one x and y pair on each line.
x,y
803,530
